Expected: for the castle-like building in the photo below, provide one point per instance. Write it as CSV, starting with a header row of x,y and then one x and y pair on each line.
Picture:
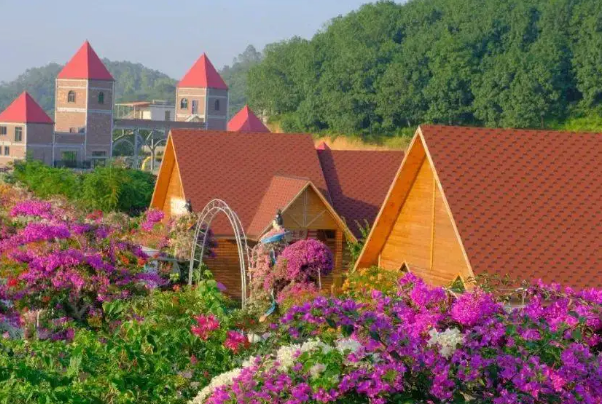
x,y
82,131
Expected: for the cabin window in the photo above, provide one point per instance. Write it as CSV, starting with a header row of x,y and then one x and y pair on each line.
x,y
184,103
18,134
101,98
3,130
6,151
71,96
217,105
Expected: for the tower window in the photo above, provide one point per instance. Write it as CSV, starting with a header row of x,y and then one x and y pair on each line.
x,y
6,151
3,130
18,134
184,103
101,98
217,105
71,96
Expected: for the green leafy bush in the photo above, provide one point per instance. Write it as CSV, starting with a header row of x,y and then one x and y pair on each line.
x,y
108,189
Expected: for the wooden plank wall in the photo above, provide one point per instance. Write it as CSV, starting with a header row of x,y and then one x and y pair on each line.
x,y
423,234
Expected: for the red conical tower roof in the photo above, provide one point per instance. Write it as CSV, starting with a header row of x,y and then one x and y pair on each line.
x,y
202,74
246,121
85,64
322,146
24,109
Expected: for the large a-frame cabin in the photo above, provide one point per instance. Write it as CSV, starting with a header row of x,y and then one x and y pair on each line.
x,y
321,193
470,201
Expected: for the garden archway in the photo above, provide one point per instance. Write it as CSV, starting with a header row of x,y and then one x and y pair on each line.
x,y
209,212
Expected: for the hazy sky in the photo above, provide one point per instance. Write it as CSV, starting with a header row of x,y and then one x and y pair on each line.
x,y
167,35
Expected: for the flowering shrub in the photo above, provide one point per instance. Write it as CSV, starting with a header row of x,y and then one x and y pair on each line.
x,y
288,273
147,354
359,284
58,263
422,345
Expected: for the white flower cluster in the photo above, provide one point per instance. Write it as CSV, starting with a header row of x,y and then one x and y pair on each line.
x,y
287,354
447,341
225,379
348,344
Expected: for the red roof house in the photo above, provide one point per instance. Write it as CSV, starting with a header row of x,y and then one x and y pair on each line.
x,y
246,121
472,201
85,64
24,109
260,174
203,75
358,180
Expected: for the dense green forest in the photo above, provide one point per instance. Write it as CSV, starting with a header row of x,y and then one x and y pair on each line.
x,y
389,66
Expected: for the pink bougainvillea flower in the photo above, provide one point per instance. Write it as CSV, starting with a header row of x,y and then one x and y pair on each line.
x,y
205,326
235,341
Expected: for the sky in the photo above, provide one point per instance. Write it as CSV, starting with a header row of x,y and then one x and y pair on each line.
x,y
166,35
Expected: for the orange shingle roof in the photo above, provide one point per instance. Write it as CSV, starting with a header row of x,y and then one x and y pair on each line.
x,y
239,168
24,109
203,75
85,64
358,181
280,193
246,121
526,203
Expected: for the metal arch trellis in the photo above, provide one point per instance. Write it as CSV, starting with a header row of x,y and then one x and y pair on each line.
x,y
202,229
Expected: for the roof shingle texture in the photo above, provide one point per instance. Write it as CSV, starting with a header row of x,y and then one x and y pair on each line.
x,y
280,193
358,181
526,203
238,168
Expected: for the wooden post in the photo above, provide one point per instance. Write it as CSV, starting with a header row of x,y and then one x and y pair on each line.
x,y
338,259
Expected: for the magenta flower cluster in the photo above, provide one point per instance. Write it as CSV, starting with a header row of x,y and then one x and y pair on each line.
x,y
424,345
67,265
306,260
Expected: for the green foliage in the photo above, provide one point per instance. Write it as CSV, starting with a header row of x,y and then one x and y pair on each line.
x,y
236,77
133,82
389,66
146,355
355,247
110,188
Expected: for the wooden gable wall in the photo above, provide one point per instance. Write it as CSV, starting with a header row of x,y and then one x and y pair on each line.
x,y
415,225
168,195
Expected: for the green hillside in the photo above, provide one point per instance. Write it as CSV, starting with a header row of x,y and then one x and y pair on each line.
x,y
389,66
134,82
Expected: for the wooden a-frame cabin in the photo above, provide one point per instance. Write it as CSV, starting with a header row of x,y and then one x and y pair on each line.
x,y
472,201
321,192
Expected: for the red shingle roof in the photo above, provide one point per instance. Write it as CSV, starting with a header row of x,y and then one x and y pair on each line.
x,y
85,64
526,203
280,193
246,121
203,75
358,181
24,109
239,168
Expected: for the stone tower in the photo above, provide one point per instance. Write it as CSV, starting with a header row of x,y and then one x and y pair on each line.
x,y
202,96
84,101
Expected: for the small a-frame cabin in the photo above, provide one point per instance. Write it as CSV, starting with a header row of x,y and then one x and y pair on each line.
x,y
321,193
471,201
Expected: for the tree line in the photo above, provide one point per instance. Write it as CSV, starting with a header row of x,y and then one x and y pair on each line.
x,y
389,66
